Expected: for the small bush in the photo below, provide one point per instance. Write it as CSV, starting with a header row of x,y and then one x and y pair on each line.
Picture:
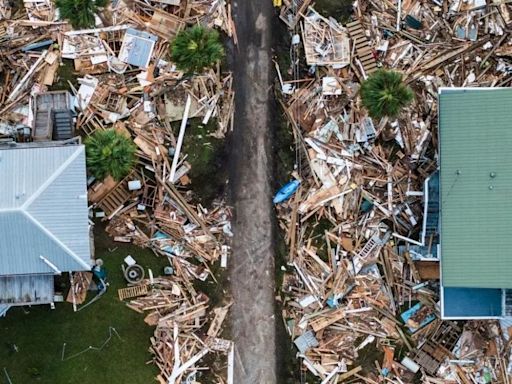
x,y
110,153
80,13
384,94
197,48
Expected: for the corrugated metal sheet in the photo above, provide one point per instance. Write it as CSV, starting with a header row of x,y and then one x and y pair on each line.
x,y
137,47
476,185
506,324
21,290
24,170
52,220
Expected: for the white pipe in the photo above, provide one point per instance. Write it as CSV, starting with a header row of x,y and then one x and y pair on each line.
x,y
407,239
176,373
231,364
50,264
180,138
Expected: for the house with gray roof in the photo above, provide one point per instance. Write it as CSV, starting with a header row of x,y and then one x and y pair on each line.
x,y
44,225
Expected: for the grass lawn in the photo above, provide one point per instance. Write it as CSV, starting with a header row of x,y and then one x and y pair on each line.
x,y
207,156
40,333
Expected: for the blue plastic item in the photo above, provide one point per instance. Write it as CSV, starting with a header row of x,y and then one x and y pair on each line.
x,y
332,302
38,45
286,192
101,274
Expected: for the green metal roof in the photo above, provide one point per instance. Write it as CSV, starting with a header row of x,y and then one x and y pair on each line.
x,y
475,133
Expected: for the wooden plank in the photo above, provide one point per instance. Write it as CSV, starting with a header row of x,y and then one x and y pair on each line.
x,y
348,374
329,318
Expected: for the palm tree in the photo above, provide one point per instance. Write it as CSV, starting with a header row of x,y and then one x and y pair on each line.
x,y
196,48
110,153
384,94
80,13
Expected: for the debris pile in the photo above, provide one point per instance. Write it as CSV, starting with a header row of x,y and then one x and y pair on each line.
x,y
184,334
362,277
127,82
124,63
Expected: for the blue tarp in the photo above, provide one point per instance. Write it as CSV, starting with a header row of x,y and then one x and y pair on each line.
x,y
169,249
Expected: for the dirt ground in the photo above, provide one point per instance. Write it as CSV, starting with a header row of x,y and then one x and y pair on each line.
x,y
252,267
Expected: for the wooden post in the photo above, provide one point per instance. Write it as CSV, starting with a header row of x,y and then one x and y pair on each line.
x,y
180,138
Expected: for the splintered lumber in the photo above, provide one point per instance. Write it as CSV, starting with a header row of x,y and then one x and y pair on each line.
x,y
327,319
350,373
365,222
80,285
216,324
24,81
127,83
184,205
182,368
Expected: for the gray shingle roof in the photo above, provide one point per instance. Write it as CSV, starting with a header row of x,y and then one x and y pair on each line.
x,y
43,210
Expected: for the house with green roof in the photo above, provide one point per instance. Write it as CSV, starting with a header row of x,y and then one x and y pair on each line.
x,y
475,156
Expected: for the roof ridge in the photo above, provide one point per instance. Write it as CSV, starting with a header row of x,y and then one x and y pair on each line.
x,y
51,179
54,238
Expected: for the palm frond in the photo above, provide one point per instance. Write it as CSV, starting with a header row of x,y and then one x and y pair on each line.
x,y
196,48
110,153
384,94
80,13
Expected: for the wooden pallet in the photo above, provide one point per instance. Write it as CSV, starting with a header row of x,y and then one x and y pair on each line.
x,y
89,122
363,50
135,291
117,197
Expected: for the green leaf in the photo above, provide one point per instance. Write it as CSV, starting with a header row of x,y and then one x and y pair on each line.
x,y
384,94
80,13
195,49
110,153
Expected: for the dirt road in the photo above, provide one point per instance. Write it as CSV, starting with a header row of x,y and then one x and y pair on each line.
x,y
252,268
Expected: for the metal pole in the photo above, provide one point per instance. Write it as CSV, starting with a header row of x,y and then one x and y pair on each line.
x,y
7,376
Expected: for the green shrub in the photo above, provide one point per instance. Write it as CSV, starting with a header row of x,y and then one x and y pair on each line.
x,y
384,94
197,48
80,13
110,153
